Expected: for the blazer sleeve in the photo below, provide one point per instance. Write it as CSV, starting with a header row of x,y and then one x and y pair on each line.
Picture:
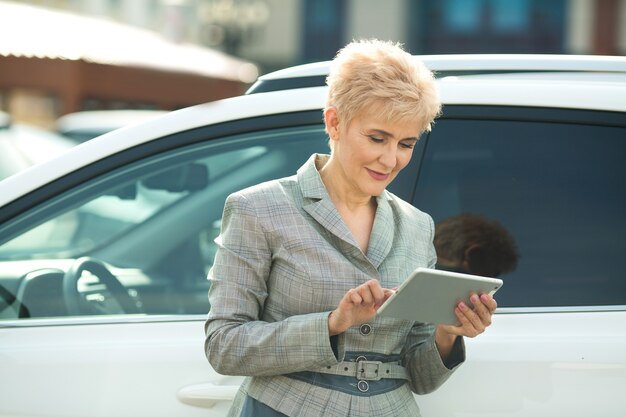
x,y
237,341
420,356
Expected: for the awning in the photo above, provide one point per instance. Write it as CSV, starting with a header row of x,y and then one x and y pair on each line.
x,y
28,31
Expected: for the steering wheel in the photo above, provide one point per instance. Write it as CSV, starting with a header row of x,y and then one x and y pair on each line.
x,y
72,297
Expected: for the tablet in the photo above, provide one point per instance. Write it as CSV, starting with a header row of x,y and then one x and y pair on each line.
x,y
430,295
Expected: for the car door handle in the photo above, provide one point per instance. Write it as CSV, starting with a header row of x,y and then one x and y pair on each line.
x,y
206,395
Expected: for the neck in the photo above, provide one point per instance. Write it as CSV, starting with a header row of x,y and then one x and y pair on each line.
x,y
341,192
452,266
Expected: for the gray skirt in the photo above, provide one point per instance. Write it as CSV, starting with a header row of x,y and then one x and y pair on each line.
x,y
254,408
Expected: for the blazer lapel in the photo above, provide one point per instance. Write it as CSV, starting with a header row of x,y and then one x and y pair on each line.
x,y
381,239
317,202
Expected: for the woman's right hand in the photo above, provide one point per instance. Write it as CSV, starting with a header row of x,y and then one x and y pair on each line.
x,y
358,306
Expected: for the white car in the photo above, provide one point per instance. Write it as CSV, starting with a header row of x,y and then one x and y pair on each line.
x,y
84,125
104,250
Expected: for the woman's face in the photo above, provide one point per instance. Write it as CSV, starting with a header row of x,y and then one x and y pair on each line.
x,y
371,152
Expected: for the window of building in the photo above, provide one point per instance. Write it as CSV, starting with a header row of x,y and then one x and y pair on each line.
x,y
323,24
487,26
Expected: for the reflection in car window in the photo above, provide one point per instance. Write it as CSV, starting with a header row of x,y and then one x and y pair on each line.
x,y
84,228
473,244
111,214
151,223
557,188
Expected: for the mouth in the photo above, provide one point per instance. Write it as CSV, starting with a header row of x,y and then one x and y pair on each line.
x,y
378,176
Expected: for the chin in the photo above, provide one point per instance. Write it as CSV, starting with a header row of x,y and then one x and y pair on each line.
x,y
376,192
375,188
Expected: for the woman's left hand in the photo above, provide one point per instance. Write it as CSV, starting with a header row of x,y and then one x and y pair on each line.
x,y
475,319
472,322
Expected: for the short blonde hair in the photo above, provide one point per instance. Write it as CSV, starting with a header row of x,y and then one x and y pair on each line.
x,y
370,76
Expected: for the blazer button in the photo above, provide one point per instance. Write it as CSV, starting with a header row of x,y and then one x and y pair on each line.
x,y
365,329
363,386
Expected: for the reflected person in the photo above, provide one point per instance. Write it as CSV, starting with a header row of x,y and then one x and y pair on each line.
x,y
474,244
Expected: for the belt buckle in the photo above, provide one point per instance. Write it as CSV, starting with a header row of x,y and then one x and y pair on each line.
x,y
368,370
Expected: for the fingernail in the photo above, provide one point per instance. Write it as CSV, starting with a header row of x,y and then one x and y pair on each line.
x,y
462,306
485,297
474,298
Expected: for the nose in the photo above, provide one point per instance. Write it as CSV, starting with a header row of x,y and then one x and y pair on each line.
x,y
388,158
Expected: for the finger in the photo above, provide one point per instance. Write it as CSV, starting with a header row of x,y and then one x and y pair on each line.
x,y
354,296
489,301
455,330
470,321
481,310
371,292
488,308
366,295
374,287
465,328
388,293
377,291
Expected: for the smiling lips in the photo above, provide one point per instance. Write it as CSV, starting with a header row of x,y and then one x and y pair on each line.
x,y
378,176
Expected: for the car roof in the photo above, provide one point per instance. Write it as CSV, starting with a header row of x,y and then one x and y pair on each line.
x,y
588,90
104,120
584,91
314,74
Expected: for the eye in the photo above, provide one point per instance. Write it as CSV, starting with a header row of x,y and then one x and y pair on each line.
x,y
407,145
376,139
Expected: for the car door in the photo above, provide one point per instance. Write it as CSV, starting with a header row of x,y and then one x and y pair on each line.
x,y
554,179
73,342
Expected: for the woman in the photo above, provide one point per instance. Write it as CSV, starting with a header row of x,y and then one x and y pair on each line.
x,y
305,261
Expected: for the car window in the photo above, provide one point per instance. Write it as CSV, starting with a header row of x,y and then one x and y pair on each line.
x,y
108,216
151,223
556,187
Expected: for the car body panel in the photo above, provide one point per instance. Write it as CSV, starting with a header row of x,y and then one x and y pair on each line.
x,y
142,365
540,364
519,375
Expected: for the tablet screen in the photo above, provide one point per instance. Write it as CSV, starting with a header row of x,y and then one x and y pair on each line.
x,y
431,295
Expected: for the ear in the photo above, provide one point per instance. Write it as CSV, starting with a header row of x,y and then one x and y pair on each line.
x,y
331,119
473,257
476,258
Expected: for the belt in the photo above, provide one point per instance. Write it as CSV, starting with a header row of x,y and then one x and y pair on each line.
x,y
365,370
352,375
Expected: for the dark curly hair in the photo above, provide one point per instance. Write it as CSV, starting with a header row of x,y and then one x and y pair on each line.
x,y
485,244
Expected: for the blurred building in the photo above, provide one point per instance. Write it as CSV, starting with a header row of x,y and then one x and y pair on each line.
x,y
54,62
443,26
280,33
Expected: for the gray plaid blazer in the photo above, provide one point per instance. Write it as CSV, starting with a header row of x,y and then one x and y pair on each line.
x,y
285,259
